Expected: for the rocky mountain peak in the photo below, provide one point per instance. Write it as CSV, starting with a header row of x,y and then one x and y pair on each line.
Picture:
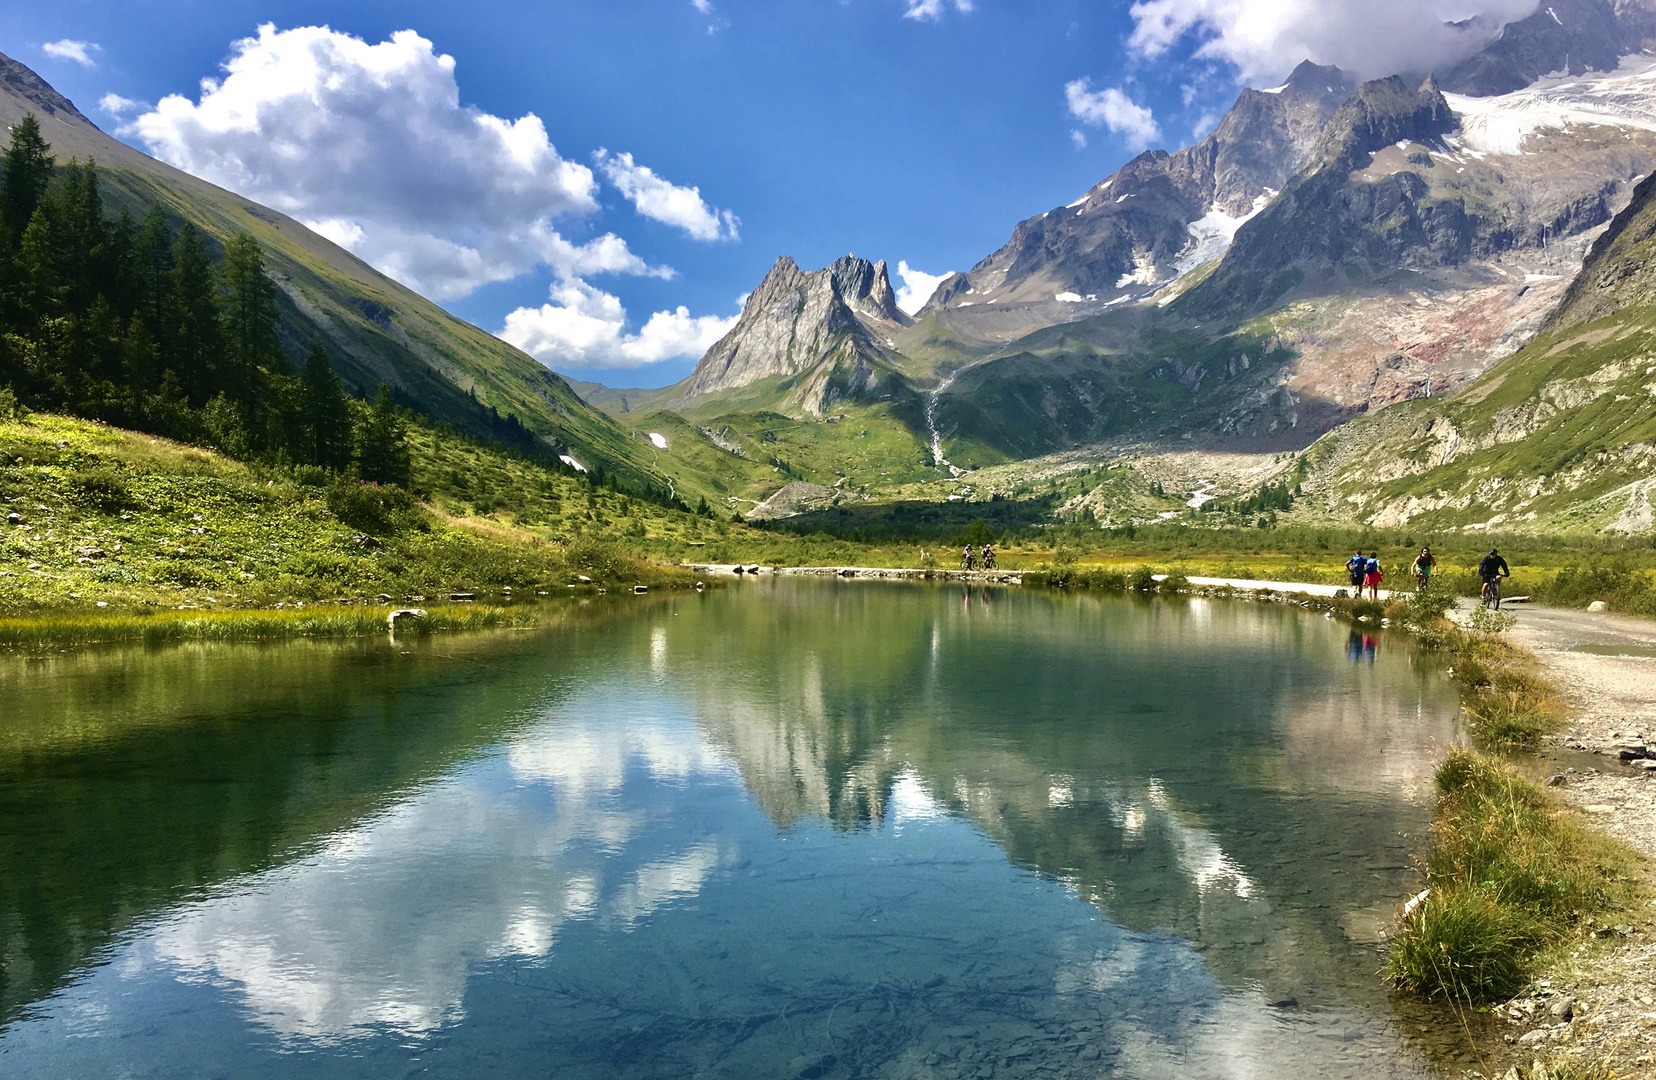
x,y
826,330
1574,36
1383,112
25,84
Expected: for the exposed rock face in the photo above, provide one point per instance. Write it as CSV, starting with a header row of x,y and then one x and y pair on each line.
x,y
1574,36
1161,213
828,330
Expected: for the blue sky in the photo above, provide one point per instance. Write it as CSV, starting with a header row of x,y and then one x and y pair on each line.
x,y
912,130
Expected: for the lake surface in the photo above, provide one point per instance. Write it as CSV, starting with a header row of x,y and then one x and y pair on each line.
x,y
781,829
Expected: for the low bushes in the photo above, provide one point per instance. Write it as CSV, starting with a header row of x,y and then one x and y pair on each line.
x,y
1510,873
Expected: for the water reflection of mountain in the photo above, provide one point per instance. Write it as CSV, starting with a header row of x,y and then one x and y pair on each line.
x,y
1212,769
131,778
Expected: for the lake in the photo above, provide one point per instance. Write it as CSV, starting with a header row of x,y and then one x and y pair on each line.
x,y
788,828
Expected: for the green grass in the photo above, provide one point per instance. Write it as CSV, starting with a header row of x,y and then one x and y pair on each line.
x,y
137,523
1512,874
322,621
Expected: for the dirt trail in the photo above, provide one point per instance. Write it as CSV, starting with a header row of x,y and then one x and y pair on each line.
x,y
1606,667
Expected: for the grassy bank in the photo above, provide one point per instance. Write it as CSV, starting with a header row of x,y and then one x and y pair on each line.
x,y
325,621
1514,878
95,520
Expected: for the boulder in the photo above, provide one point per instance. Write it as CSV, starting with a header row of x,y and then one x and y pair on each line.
x,y
462,596
404,615
1598,605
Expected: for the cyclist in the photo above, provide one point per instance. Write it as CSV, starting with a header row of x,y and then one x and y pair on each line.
x,y
1372,577
1492,570
966,557
1424,565
1356,567
988,557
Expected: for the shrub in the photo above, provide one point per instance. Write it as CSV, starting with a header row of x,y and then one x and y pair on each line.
x,y
1174,582
1142,579
102,489
374,509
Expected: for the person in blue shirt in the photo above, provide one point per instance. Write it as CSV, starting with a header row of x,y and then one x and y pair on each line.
x,y
1356,567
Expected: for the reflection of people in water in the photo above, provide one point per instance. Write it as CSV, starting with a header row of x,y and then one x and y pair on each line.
x,y
1361,647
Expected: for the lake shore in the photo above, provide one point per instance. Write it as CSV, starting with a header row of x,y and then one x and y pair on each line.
x,y
1605,665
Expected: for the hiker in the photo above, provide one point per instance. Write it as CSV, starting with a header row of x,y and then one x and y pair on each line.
x,y
1356,567
1372,577
1425,563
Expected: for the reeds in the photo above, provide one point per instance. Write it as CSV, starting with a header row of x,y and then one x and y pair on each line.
x,y
322,621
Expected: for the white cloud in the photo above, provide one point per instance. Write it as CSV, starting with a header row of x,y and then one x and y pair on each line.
x,y
370,145
583,326
1110,108
1079,138
932,10
703,6
79,52
917,287
116,105
659,200
1265,39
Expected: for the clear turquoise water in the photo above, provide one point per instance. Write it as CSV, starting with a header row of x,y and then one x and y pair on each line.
x,y
785,829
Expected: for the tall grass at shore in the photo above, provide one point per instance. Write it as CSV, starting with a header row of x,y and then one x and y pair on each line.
x,y
322,621
1510,874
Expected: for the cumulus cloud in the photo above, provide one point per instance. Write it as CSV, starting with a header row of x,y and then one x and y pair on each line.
x,y
79,52
370,145
932,10
1265,39
116,105
584,326
917,287
1110,108
659,200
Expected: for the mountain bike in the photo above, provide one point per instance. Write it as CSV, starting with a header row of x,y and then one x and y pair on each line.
x,y
1492,594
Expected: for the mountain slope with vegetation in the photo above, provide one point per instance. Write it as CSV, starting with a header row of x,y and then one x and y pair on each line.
x,y
375,330
1562,436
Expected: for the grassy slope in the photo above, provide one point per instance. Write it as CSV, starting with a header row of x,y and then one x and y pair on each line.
x,y
142,523
379,329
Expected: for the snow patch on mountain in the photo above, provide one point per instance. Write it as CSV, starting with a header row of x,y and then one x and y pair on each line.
x,y
1499,125
1211,234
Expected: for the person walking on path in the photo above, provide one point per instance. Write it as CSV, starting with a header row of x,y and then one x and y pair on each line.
x,y
1491,571
1424,565
1372,577
1356,567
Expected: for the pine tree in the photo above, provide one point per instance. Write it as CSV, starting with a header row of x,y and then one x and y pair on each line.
x,y
195,340
325,415
152,276
382,443
27,173
249,307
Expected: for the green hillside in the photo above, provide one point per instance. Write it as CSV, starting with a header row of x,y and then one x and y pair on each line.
x,y
377,330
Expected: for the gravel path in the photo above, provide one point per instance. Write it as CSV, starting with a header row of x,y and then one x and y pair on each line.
x,y
1606,666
